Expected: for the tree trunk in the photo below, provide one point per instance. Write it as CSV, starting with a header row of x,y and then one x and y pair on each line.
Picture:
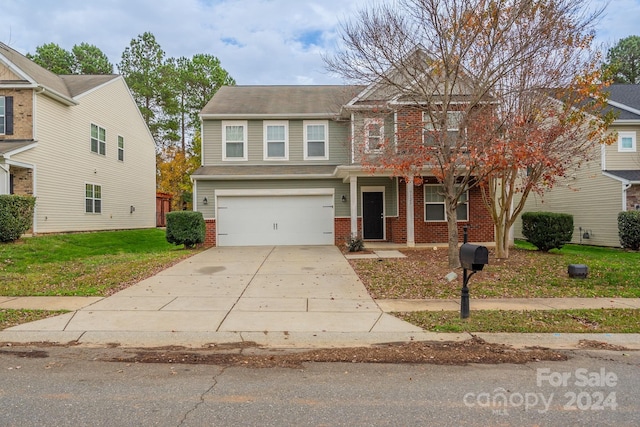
x,y
452,225
502,240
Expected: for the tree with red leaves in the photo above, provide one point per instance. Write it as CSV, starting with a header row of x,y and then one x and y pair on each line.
x,y
478,73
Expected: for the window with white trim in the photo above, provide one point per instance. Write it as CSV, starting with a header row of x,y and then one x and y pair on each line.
x,y
626,141
373,134
316,140
276,140
234,140
432,132
121,148
98,140
434,204
93,198
2,115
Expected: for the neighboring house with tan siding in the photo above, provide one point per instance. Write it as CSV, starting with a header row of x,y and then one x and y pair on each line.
x,y
79,144
595,193
281,165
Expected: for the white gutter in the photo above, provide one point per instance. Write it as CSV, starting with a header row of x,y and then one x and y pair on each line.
x,y
623,107
252,177
266,116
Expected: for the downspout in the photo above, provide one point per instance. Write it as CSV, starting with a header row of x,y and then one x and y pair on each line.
x,y
353,140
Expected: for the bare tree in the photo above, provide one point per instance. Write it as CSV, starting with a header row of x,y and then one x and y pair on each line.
x,y
467,66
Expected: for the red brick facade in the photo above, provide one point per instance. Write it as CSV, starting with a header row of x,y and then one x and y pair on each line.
x,y
481,227
210,234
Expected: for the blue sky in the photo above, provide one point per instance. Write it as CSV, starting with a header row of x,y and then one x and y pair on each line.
x,y
257,41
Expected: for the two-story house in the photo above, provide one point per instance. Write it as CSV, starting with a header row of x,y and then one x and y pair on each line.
x,y
596,192
79,144
281,165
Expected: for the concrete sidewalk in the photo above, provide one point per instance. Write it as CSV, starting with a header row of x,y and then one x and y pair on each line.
x,y
274,296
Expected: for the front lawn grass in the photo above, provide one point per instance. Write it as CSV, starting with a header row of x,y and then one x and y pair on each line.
x,y
84,264
9,317
609,320
526,273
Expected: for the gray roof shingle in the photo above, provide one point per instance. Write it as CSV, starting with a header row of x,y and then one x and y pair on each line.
x,y
628,175
66,86
280,100
8,147
628,95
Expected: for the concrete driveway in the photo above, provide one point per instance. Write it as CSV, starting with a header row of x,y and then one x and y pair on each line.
x,y
306,295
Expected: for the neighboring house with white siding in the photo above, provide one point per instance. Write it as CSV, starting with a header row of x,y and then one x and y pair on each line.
x,y
595,193
282,165
79,144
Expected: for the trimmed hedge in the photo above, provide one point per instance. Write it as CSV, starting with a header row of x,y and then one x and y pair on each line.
x,y
547,230
629,229
16,216
185,228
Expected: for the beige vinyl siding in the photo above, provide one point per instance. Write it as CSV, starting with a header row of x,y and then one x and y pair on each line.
x,y
64,163
593,199
212,144
615,160
207,189
7,75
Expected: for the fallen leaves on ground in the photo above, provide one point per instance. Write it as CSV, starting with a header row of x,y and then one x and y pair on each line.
x,y
474,350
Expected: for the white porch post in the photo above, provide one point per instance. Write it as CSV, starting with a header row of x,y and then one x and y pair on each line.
x,y
4,179
411,240
353,200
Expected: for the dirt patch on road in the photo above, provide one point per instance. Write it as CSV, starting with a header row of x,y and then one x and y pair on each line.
x,y
441,353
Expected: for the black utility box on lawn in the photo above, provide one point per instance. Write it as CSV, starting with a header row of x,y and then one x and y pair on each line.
x,y
578,270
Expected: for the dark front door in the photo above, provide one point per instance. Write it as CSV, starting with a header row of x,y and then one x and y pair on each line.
x,y
373,215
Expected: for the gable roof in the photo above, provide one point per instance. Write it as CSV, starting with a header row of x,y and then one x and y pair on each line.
x,y
62,88
279,101
624,99
82,83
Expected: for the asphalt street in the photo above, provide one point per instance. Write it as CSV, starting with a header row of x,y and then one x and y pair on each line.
x,y
71,386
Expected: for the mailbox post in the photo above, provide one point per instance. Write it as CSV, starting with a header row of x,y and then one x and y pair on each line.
x,y
474,258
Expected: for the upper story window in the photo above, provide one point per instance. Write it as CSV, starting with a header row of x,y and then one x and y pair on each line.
x,y
373,134
98,139
316,140
234,140
626,141
432,132
6,115
276,140
93,198
2,115
121,148
434,204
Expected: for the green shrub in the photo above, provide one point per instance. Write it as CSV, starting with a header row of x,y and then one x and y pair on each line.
x,y
629,229
16,216
185,228
547,230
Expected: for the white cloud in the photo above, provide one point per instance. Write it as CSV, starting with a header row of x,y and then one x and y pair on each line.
x,y
257,41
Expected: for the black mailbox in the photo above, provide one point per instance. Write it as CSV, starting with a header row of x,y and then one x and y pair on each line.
x,y
473,257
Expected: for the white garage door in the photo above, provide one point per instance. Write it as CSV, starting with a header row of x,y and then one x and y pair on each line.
x,y
275,220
